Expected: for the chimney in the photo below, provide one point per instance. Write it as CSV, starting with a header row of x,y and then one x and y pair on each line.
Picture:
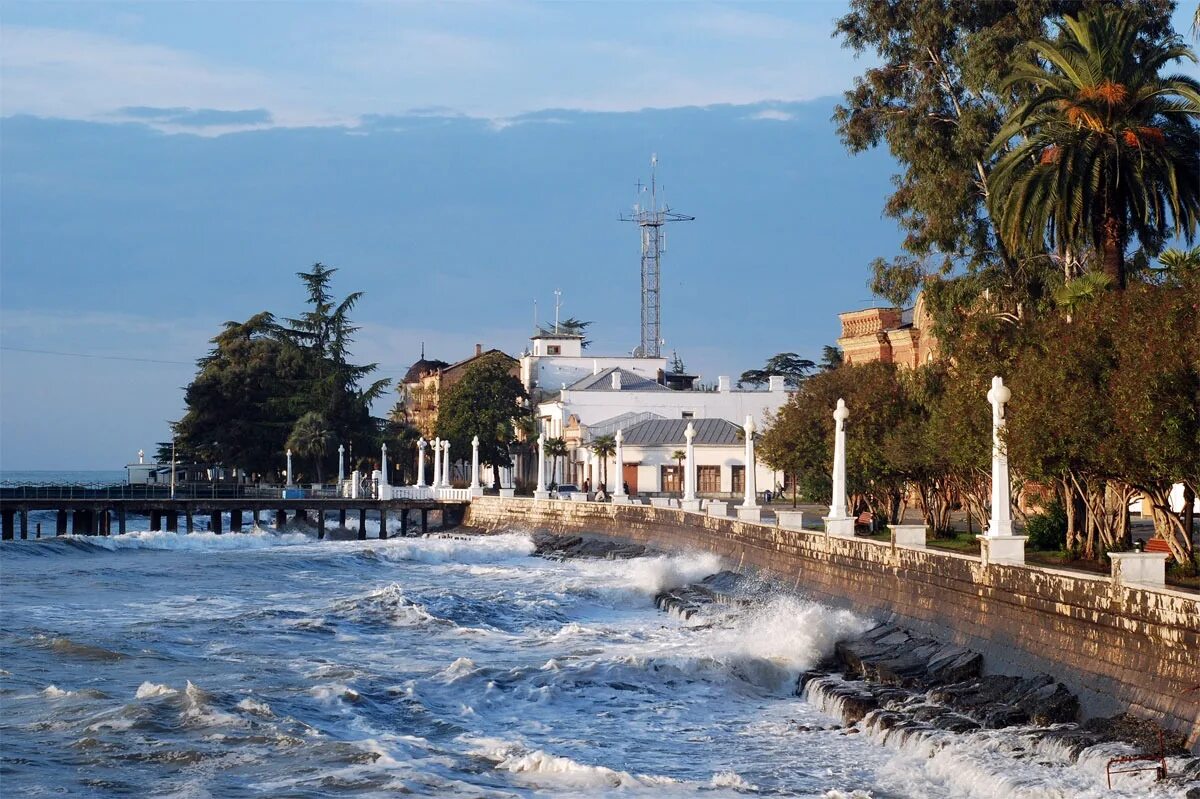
x,y
723,384
775,383
595,366
616,380
478,350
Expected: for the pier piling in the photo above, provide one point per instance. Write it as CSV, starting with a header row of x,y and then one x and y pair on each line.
x,y
24,525
172,521
189,520
404,522
216,522
60,522
235,521
362,524
8,516
424,521
383,516
121,520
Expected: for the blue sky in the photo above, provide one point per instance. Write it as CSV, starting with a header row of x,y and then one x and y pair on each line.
x,y
168,166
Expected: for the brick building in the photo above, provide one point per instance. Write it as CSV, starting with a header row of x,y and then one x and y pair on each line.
x,y
426,380
891,335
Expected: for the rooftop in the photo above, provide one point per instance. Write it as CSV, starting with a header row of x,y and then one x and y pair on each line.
x,y
603,381
709,432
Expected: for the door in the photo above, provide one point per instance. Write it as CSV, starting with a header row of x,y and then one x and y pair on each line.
x,y
629,475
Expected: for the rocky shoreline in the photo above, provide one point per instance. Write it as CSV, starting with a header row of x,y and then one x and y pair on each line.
x,y
893,683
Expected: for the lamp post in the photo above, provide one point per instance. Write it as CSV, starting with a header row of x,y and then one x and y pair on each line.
x,y
476,489
341,464
689,471
421,445
437,463
998,544
172,467
619,457
750,494
839,522
289,466
446,463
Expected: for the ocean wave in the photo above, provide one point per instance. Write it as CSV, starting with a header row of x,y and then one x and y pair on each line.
x,y
541,768
456,548
200,541
388,604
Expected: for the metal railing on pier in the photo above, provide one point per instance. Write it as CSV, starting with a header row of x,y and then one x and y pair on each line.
x,y
163,492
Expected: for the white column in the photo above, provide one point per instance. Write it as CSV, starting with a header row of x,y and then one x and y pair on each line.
x,y
1001,522
998,544
689,464
540,492
750,499
341,463
837,509
383,466
421,445
437,463
839,522
289,467
446,464
619,477
476,489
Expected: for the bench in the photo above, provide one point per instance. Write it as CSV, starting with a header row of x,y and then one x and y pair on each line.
x,y
865,521
1158,545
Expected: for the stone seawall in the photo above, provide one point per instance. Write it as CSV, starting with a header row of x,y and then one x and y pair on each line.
x,y
1118,647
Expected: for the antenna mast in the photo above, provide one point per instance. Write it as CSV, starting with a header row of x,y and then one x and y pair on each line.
x,y
651,218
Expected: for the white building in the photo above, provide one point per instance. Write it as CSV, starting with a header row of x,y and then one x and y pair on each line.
x,y
599,402
555,360
650,465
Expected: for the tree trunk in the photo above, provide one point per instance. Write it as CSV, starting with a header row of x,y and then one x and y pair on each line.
x,y
496,475
1113,243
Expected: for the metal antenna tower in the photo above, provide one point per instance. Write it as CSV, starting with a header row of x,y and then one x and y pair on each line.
x,y
651,218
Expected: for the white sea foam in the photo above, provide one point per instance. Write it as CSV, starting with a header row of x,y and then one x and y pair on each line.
x,y
199,541
150,690
54,692
731,779
255,707
456,549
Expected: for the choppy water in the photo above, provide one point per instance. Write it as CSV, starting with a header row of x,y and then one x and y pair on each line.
x,y
157,664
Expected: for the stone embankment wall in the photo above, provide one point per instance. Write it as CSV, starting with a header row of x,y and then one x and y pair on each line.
x,y
1118,647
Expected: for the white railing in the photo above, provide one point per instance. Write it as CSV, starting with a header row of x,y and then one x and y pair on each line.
x,y
424,492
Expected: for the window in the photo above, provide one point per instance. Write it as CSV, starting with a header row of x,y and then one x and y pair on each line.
x,y
708,479
739,479
689,415
553,349
671,479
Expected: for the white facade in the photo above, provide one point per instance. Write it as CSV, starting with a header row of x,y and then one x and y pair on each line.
x,y
595,405
650,460
557,360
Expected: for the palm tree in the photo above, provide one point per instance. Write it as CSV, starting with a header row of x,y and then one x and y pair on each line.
x,y
679,456
604,448
555,448
310,437
1177,265
1105,147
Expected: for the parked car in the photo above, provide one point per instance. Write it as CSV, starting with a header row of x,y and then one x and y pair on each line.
x,y
565,490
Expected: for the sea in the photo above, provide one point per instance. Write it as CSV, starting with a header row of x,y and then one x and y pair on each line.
x,y
271,664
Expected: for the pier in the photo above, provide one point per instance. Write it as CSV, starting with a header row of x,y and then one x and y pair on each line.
x,y
106,511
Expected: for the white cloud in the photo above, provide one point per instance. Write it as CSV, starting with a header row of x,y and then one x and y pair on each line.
x,y
774,114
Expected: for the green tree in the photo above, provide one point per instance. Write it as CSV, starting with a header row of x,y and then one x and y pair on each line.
x,y
310,438
239,405
604,447
330,386
1105,147
569,327
934,96
488,402
787,365
831,358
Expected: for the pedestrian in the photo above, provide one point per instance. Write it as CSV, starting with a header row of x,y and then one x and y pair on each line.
x,y
587,486
625,488
600,495
767,496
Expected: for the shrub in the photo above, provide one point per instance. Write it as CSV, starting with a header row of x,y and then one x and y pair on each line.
x,y
1048,531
